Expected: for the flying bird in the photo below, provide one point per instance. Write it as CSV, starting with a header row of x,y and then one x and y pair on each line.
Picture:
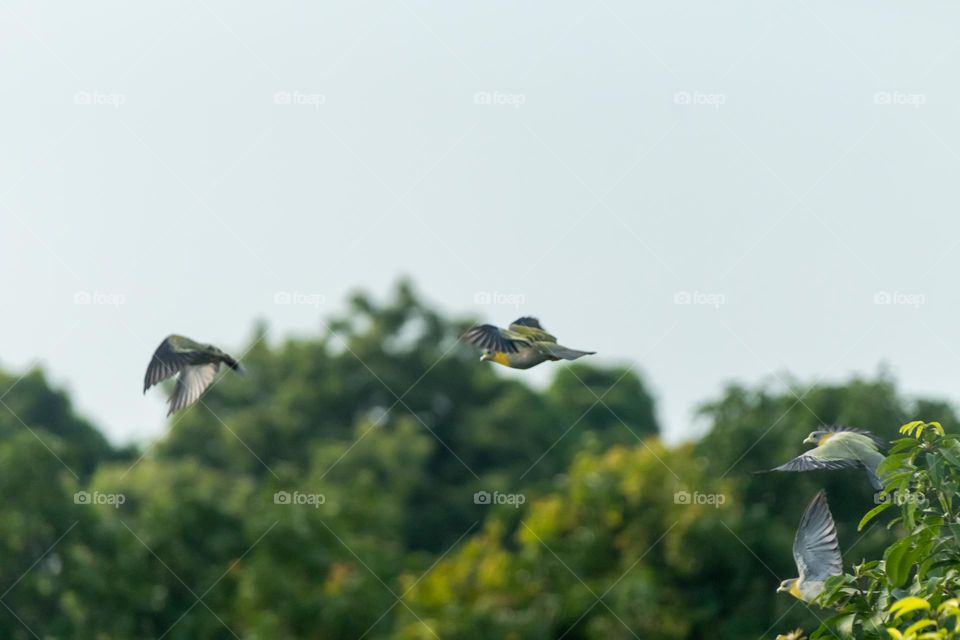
x,y
523,345
196,363
840,448
815,550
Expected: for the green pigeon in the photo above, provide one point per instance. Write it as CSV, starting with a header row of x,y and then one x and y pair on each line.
x,y
197,364
816,551
525,344
840,447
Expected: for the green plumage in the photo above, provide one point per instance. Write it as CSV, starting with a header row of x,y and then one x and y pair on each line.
x,y
840,448
523,345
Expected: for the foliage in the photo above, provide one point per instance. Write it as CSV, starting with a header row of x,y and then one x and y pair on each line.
x,y
911,594
397,426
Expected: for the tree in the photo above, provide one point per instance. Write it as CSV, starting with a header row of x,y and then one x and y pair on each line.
x,y
912,592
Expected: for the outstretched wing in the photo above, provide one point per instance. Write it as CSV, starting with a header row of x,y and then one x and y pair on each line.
x,y
559,351
191,383
816,549
169,358
810,462
491,338
530,328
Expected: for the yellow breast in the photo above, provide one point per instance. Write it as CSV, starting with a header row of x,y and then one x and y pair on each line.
x,y
501,358
795,590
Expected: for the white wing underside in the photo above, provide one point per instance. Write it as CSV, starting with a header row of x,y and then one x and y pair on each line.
x,y
191,383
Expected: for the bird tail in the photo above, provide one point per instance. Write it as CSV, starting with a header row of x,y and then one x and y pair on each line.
x,y
875,480
564,353
233,364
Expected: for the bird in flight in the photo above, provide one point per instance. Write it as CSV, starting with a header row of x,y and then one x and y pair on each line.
x,y
197,364
816,551
840,448
523,345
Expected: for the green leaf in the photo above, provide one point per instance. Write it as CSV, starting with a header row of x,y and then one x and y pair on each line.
x,y
920,624
897,562
909,427
902,445
955,530
870,515
952,454
896,479
905,605
934,464
909,510
892,463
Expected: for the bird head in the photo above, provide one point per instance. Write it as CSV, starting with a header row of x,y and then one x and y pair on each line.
x,y
486,355
786,585
816,437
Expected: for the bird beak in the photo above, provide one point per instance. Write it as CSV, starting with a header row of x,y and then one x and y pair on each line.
x,y
485,356
782,588
810,440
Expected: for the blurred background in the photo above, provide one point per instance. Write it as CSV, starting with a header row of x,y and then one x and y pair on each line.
x,y
746,210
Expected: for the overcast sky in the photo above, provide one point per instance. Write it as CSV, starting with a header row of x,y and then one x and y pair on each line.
x,y
785,167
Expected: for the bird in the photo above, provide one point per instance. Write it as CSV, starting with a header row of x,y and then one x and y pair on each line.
x,y
840,447
196,363
523,345
816,551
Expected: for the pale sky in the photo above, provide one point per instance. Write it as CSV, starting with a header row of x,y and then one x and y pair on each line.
x,y
787,164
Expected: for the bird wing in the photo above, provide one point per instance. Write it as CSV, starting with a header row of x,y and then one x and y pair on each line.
x,y
814,460
530,328
559,351
171,356
192,382
816,549
491,338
